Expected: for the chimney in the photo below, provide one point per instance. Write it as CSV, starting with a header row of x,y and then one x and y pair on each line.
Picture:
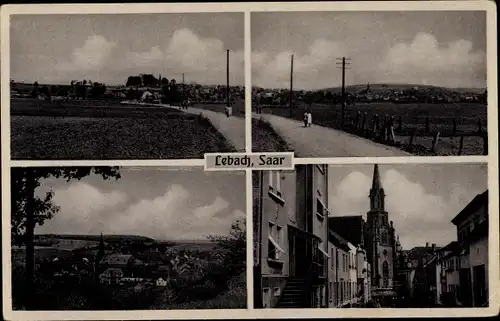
x,y
426,244
433,247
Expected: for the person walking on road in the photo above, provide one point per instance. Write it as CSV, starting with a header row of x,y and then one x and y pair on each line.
x,y
309,118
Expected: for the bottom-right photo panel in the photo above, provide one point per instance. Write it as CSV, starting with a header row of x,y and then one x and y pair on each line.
x,y
371,236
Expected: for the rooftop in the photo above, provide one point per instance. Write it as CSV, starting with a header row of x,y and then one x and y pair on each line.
x,y
474,205
348,227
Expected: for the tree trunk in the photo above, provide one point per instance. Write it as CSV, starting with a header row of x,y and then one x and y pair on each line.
x,y
29,239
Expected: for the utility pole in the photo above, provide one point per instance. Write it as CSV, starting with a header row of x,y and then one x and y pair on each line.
x,y
291,87
342,62
183,91
227,80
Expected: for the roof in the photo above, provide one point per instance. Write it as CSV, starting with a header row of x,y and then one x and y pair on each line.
x,y
474,205
452,246
117,259
348,227
338,240
420,251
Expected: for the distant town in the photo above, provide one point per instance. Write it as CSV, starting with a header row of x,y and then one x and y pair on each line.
x,y
372,93
141,88
122,268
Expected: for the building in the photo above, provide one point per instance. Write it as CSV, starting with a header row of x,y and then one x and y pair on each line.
x,y
127,263
161,282
448,290
291,249
379,238
339,273
351,229
111,276
472,233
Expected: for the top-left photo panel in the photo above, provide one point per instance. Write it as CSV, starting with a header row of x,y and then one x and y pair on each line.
x,y
126,86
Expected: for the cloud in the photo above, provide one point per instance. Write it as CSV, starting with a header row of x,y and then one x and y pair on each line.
x,y
93,55
418,216
455,64
422,61
79,203
202,60
274,71
84,209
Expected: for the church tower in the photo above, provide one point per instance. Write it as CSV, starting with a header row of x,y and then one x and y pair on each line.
x,y
379,236
99,256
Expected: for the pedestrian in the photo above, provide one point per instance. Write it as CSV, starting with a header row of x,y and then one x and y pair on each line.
x,y
309,118
306,119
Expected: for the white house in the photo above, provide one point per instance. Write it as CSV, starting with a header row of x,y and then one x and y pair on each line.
x,y
161,282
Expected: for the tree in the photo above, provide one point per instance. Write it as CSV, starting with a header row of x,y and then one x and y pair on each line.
x,y
28,210
234,246
134,81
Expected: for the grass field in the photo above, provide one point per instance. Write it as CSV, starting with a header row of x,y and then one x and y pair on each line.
x,y
109,132
265,139
413,117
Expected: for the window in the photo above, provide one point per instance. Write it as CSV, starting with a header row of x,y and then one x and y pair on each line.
x,y
266,297
275,182
320,209
332,254
336,258
275,240
277,292
452,263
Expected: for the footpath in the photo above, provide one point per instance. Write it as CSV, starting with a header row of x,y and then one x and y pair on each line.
x,y
232,128
319,141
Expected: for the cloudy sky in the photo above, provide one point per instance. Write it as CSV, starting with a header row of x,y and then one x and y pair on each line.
x,y
109,48
421,199
440,48
158,203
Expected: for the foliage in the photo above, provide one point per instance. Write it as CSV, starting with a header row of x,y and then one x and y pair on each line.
x,y
234,246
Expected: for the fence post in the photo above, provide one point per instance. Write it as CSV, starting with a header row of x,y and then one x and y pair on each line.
x,y
392,139
435,142
454,125
461,146
363,125
412,137
427,125
400,124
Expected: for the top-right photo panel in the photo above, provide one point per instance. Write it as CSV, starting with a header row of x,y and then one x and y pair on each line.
x,y
369,84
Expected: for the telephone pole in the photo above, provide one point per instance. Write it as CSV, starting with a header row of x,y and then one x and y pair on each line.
x,y
342,62
227,79
183,91
291,87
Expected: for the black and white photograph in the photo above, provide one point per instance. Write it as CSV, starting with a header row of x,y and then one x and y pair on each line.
x,y
126,86
371,236
369,83
126,238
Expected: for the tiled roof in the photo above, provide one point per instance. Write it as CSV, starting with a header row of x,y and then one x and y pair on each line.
x,y
348,227
475,204
338,240
121,259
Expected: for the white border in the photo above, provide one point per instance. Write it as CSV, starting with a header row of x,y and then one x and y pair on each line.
x,y
494,276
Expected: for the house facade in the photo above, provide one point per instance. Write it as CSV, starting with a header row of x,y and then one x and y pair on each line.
x,y
472,232
291,250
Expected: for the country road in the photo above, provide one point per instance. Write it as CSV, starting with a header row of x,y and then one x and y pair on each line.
x,y
318,141
232,128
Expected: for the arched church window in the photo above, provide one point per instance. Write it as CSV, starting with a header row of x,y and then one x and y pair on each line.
x,y
385,273
385,252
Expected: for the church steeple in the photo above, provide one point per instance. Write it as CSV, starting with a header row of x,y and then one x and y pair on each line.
x,y
377,196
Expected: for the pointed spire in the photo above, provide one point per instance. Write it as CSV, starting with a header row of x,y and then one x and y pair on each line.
x,y
376,184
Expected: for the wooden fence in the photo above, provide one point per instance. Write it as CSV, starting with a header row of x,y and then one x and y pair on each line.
x,y
384,130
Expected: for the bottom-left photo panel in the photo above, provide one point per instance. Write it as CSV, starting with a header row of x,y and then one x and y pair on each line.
x,y
127,238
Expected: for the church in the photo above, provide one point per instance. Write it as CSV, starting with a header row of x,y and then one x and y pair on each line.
x,y
379,238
